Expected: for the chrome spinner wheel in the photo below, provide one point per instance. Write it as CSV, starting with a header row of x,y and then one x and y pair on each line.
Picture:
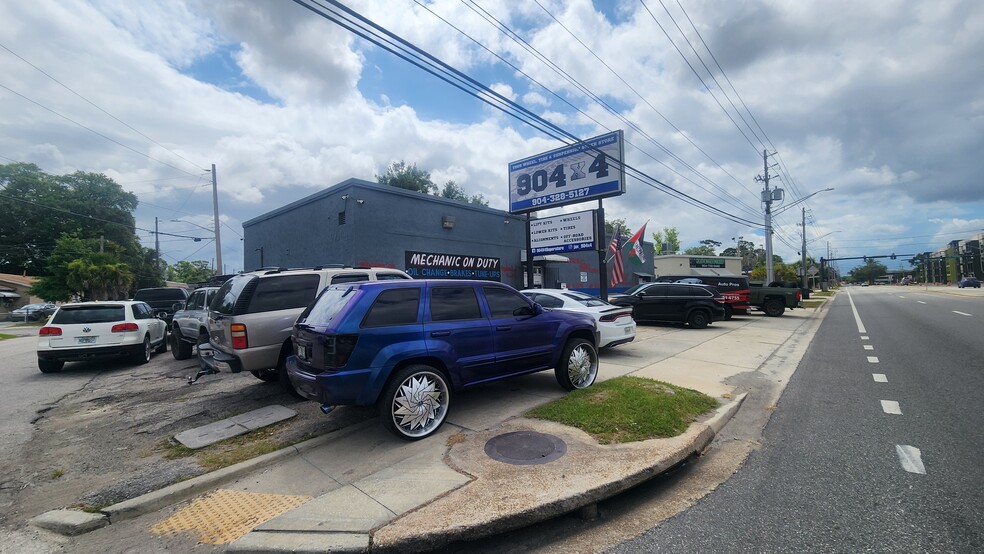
x,y
415,403
578,367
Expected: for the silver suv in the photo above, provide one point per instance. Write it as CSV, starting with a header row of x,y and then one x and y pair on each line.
x,y
251,317
189,326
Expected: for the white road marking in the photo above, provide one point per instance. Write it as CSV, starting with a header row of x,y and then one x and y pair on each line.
x,y
872,359
864,337
961,313
920,301
868,347
911,458
900,296
857,318
891,407
879,377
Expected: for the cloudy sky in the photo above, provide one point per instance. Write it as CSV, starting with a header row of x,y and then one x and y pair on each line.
x,y
883,101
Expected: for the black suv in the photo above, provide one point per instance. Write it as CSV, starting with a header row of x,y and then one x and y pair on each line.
x,y
162,300
407,346
695,305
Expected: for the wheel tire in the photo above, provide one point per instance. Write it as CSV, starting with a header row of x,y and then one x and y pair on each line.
x,y
266,375
698,319
50,366
415,402
162,347
774,307
729,312
180,348
143,356
285,383
578,365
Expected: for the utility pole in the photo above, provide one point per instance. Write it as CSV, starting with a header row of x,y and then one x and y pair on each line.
x,y
157,246
803,253
767,198
215,213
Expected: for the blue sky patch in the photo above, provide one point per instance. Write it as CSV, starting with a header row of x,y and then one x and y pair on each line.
x,y
219,68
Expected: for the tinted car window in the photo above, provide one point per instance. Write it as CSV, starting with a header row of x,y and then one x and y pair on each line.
x,y
547,301
283,292
504,302
328,305
89,314
225,298
195,300
699,291
394,307
454,303
676,290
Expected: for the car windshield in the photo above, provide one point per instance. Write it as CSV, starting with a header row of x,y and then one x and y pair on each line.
x,y
89,314
586,299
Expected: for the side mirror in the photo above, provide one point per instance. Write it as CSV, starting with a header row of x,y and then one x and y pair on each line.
x,y
535,309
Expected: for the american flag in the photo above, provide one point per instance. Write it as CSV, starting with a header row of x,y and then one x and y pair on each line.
x,y
618,274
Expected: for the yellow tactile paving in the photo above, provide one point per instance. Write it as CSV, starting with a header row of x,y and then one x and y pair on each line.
x,y
223,516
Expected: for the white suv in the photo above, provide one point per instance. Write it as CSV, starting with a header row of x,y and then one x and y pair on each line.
x,y
251,317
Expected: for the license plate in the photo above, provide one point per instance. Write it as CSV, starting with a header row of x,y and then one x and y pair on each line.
x,y
628,330
87,340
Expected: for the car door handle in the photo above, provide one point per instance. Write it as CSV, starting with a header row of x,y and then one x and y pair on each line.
x,y
440,333
503,328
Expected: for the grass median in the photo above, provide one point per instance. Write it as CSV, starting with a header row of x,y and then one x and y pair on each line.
x,y
628,409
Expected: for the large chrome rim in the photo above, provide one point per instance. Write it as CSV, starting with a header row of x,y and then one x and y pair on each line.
x,y
146,349
582,366
420,404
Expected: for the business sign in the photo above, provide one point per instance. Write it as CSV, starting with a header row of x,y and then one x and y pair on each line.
x,y
575,173
707,262
433,265
563,233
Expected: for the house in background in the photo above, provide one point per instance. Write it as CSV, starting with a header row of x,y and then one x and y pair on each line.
x,y
14,292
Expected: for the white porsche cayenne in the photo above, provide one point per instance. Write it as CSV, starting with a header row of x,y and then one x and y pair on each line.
x,y
99,330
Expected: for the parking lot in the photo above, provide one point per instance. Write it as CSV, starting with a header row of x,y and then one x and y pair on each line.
x,y
98,433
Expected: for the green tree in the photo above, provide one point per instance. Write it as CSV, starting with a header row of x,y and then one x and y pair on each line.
x,y
707,247
189,272
868,272
611,224
400,174
667,241
454,191
37,208
79,270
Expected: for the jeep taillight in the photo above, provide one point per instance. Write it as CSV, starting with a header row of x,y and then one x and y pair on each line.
x,y
239,339
50,332
338,349
124,327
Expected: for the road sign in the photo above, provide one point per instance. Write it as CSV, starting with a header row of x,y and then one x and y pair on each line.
x,y
563,233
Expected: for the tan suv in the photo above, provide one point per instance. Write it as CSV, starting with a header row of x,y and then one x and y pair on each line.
x,y
251,317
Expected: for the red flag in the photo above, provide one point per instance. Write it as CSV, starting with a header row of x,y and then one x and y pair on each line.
x,y
615,247
638,253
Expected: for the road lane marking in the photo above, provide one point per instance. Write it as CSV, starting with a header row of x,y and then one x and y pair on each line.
x,y
891,407
857,318
868,347
900,296
879,377
864,337
920,301
872,359
911,458
961,313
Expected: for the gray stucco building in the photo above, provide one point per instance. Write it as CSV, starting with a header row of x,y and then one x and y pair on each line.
x,y
361,223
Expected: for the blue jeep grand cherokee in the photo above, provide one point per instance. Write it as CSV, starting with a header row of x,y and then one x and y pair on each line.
x,y
406,345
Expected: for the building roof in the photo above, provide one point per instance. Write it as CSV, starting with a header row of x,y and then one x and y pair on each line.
x,y
18,280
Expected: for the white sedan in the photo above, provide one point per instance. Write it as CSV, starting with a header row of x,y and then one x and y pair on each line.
x,y
615,323
98,330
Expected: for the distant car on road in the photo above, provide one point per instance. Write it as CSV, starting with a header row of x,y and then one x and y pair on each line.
x,y
32,312
969,282
615,324
95,330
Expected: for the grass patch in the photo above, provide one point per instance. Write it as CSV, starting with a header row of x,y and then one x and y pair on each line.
x,y
813,303
4,336
822,293
628,409
58,473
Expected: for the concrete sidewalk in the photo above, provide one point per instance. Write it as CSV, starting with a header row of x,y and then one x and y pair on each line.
x,y
362,489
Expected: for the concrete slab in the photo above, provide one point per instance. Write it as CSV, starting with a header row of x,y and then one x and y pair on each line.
x,y
260,542
413,482
343,510
294,476
69,522
230,427
484,408
705,377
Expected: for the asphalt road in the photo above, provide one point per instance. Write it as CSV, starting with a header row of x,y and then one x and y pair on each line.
x,y
875,445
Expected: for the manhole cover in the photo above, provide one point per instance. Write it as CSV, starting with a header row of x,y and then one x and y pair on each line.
x,y
525,448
